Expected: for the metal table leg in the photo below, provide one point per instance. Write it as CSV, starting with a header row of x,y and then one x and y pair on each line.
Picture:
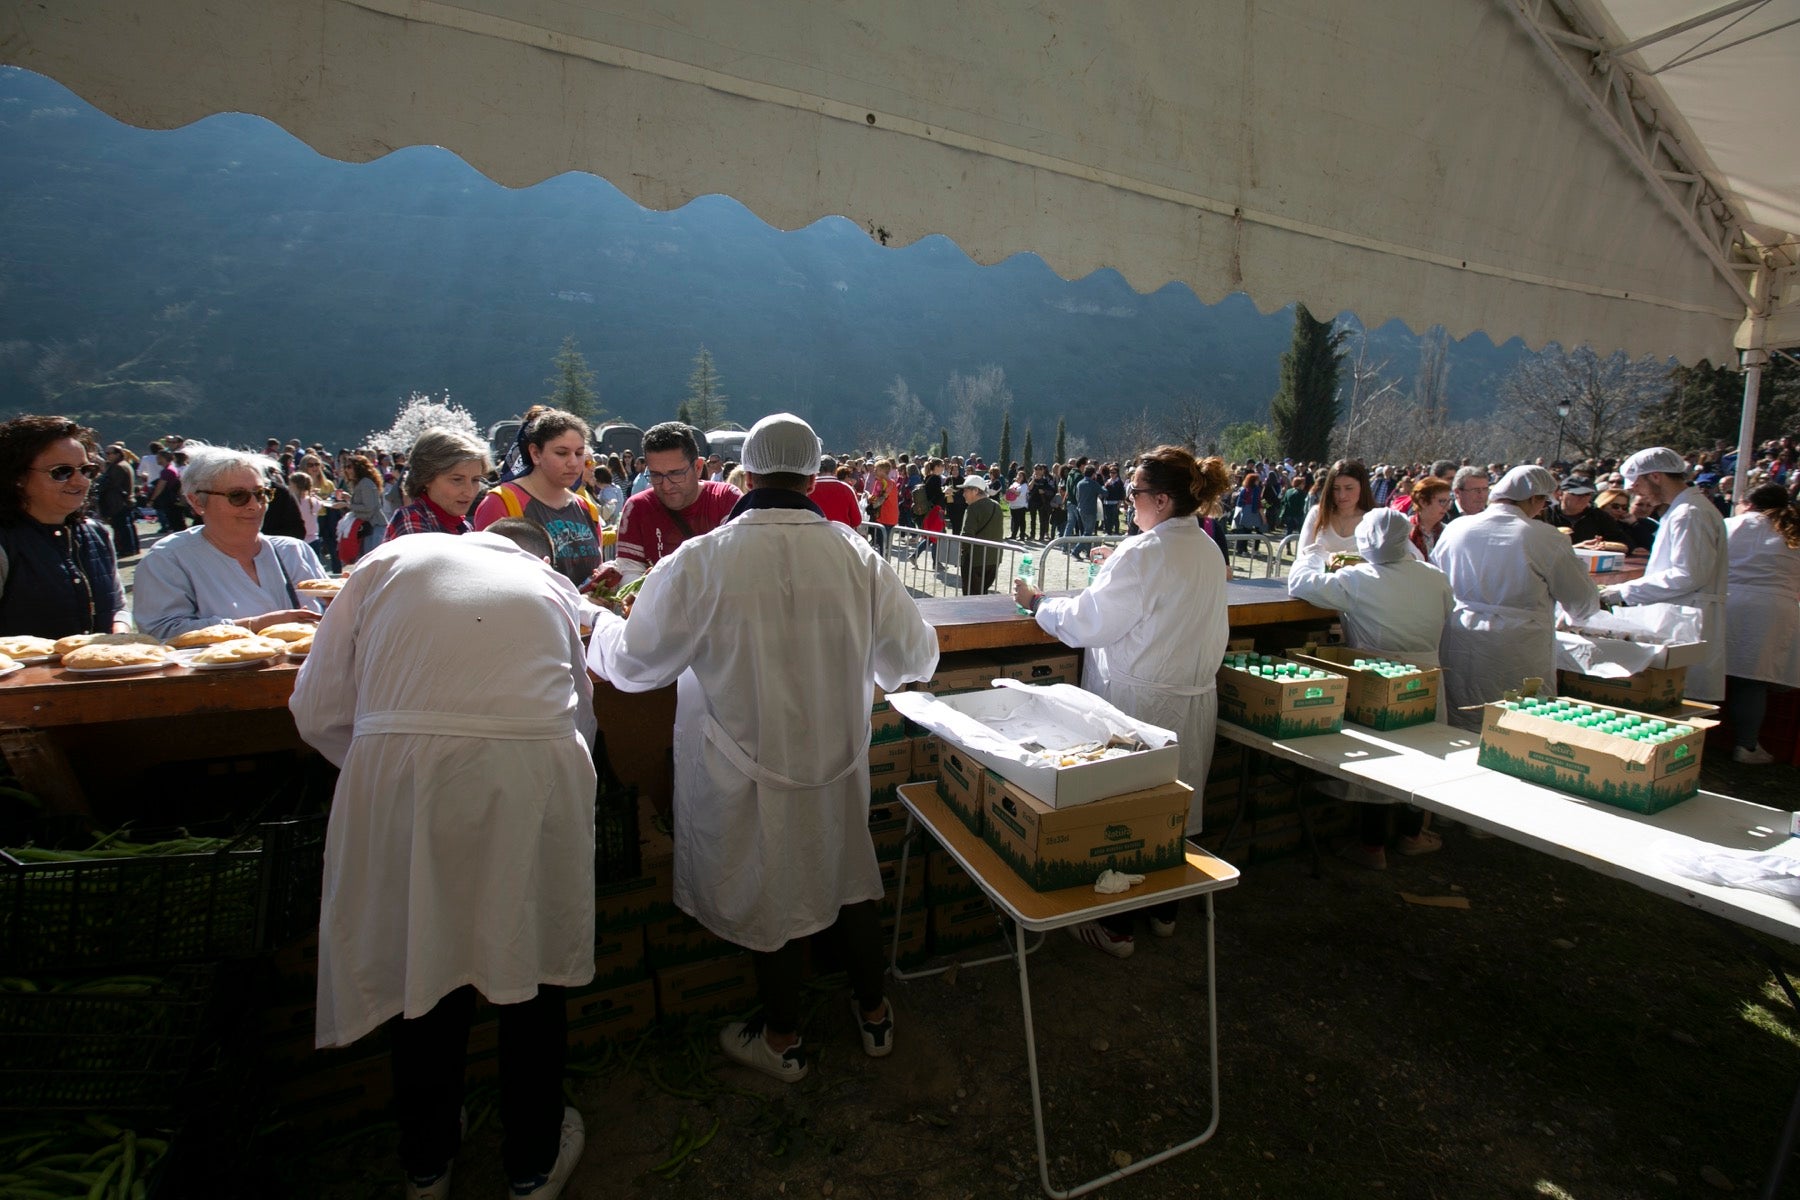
x,y
900,907
1037,1100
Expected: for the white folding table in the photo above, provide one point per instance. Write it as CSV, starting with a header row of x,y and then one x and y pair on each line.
x,y
1037,912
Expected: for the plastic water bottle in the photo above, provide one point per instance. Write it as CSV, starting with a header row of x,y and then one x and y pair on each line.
x,y
1026,573
1093,572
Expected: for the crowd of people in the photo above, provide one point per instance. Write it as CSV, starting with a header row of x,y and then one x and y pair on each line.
x,y
465,743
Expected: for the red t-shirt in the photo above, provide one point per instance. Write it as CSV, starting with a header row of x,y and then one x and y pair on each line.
x,y
648,533
837,500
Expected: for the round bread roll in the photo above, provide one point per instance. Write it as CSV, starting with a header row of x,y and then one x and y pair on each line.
x,y
237,650
301,648
98,656
77,640
26,646
289,631
7,662
210,635
329,587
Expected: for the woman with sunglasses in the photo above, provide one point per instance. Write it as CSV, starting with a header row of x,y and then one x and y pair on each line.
x,y
58,573
1153,624
225,569
1640,532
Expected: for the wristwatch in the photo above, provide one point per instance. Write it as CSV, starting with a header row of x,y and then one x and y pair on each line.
x,y
1033,606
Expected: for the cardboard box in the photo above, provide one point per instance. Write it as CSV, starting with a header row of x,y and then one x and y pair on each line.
x,y
890,765
962,923
1599,562
1372,699
1059,786
681,939
719,985
618,957
885,725
945,879
915,881
965,673
631,903
1054,848
962,786
926,751
913,944
1047,665
342,1091
1655,690
887,828
1586,762
1282,708
613,1013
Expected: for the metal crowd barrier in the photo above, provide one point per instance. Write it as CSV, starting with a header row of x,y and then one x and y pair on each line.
x,y
911,553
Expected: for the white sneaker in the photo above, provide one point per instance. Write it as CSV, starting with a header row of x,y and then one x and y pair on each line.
x,y
568,1153
743,1043
436,1189
1093,933
877,1036
1161,928
1755,758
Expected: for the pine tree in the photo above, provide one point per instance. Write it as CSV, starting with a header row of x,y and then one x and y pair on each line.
x,y
1027,459
705,402
681,413
1005,455
944,444
1305,407
572,387
1062,440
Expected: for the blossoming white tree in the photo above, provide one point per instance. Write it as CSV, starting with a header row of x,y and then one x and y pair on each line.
x,y
417,413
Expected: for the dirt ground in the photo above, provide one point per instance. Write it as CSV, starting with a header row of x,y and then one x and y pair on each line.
x,y
1566,1036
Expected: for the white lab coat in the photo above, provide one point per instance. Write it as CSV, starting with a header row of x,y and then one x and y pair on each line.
x,y
1763,607
1153,624
1388,608
773,626
447,682
1688,565
1508,574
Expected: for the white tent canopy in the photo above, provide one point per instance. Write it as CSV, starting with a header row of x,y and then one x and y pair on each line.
x,y
1440,161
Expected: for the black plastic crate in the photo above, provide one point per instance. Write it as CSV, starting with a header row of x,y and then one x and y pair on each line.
x,y
617,854
258,891
123,1044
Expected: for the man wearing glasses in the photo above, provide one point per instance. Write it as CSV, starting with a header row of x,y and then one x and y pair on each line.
x,y
680,503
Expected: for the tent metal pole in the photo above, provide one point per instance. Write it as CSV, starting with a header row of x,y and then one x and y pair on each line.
x,y
1754,357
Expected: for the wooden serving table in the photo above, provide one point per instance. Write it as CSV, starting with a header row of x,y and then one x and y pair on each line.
x,y
68,737
1028,910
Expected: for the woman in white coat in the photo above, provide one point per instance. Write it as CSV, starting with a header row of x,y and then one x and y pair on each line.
x,y
1762,612
1687,566
1509,572
1154,625
1395,606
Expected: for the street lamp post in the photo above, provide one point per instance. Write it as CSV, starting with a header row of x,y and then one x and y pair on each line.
x,y
1562,419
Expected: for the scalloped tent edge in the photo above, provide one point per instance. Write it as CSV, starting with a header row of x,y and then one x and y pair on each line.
x,y
1460,170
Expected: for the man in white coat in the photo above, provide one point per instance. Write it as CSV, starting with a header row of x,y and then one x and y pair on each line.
x,y
1393,606
773,627
1509,571
1688,561
447,683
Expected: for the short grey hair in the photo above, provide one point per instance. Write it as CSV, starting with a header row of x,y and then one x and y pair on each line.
x,y
1463,475
436,451
206,465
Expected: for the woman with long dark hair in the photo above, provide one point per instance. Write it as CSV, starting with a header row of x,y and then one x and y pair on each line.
x,y
58,572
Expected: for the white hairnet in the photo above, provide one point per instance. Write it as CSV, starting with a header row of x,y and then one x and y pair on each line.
x,y
781,443
1382,534
1522,483
1656,458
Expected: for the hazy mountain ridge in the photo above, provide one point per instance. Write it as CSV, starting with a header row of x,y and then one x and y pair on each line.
x,y
299,296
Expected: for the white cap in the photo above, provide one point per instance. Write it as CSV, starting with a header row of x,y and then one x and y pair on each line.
x,y
1656,458
781,443
1382,534
978,482
1522,483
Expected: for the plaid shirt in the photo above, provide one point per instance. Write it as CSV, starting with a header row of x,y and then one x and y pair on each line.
x,y
423,516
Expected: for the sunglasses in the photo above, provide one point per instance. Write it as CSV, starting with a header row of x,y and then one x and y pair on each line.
x,y
240,497
63,472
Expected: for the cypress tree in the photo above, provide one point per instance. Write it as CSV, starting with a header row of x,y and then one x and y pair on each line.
x,y
1005,455
1062,440
1027,457
944,444
1305,408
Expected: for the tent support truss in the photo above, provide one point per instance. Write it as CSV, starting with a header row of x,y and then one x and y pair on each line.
x,y
1629,117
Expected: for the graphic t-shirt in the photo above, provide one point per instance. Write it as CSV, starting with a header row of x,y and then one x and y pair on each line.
x,y
573,535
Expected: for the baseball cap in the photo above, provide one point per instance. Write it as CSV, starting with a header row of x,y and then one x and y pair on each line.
x,y
1577,485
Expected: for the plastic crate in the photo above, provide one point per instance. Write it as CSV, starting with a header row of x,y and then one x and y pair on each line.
x,y
114,912
112,1045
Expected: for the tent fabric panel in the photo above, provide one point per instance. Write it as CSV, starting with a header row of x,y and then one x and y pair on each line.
x,y
1402,158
